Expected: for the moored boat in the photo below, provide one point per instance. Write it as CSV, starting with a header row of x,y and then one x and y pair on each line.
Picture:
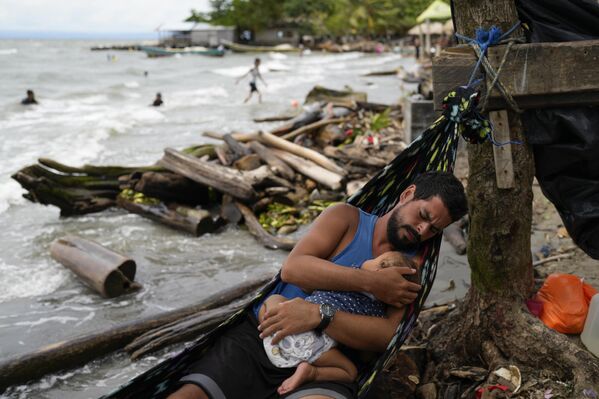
x,y
166,52
244,48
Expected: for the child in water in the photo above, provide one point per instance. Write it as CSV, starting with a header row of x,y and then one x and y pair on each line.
x,y
314,353
255,74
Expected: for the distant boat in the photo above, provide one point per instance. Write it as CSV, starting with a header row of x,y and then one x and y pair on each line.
x,y
166,52
244,48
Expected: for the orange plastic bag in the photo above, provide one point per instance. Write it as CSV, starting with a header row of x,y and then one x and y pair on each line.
x,y
565,302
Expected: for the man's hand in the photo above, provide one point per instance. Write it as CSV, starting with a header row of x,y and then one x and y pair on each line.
x,y
389,286
291,317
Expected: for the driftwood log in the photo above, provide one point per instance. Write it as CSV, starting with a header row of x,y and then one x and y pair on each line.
x,y
256,229
235,147
219,177
282,144
48,188
308,168
278,118
105,271
275,163
345,156
81,350
167,186
179,217
191,327
311,127
75,191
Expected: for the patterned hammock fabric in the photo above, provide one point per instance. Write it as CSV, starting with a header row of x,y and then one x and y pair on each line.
x,y
434,150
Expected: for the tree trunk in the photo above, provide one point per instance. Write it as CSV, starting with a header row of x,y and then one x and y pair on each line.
x,y
492,326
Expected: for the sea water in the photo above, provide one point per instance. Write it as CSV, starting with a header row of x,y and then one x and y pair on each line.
x,y
94,108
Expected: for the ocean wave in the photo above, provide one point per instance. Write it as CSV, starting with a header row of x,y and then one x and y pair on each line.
x,y
190,98
131,85
277,56
29,280
232,71
8,51
10,194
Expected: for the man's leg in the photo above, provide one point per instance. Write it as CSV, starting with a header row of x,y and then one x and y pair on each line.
x,y
324,390
317,397
189,391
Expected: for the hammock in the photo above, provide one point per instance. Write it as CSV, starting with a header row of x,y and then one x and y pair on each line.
x,y
434,150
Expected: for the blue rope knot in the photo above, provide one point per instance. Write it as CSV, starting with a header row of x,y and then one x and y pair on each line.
x,y
486,38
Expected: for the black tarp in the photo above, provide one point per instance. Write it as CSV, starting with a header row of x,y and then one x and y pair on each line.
x,y
565,141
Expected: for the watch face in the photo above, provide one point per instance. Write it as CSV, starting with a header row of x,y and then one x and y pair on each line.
x,y
327,310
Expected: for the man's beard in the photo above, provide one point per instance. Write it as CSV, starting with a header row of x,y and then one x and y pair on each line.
x,y
394,228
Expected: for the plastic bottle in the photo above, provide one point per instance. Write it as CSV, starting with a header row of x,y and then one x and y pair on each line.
x,y
590,333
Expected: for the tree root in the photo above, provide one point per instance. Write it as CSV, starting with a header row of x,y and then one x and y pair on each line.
x,y
492,332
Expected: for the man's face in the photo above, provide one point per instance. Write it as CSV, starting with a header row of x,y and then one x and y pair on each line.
x,y
414,220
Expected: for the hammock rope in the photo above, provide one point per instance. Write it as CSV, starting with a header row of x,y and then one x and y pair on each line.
x,y
481,43
434,150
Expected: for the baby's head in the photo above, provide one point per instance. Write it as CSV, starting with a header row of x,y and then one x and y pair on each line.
x,y
395,259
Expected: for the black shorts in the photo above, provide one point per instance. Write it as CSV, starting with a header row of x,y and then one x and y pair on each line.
x,y
236,367
253,87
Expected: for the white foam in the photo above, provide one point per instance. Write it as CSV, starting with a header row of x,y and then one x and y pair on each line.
x,y
44,320
232,71
10,194
277,56
28,280
8,51
187,98
131,85
276,66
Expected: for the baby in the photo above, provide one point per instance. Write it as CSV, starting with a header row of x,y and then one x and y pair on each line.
x,y
314,353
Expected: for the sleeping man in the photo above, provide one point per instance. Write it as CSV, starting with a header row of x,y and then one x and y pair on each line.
x,y
328,258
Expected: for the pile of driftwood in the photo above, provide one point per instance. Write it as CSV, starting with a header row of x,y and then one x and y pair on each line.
x,y
322,155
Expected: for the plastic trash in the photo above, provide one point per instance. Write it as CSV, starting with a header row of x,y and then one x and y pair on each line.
x,y
590,333
565,300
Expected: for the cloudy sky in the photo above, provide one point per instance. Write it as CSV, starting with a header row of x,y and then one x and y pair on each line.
x,y
94,15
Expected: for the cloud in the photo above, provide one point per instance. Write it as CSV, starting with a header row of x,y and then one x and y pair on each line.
x,y
94,16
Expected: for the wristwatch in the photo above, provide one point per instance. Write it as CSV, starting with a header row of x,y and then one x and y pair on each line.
x,y
326,315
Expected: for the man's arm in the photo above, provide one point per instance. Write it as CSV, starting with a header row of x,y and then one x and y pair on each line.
x,y
359,332
308,267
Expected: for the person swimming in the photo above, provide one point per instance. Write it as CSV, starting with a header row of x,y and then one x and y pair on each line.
x,y
30,99
158,100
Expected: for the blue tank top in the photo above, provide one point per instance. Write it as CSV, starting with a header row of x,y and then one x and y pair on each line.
x,y
354,254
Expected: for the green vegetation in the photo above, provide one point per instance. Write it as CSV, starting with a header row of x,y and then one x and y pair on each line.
x,y
278,215
138,198
317,17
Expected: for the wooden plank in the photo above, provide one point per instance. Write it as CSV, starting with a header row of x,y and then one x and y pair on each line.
x,y
504,165
537,74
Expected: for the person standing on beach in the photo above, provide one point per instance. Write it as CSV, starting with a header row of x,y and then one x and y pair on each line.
x,y
30,99
255,74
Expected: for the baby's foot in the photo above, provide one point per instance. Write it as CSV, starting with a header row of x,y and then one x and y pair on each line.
x,y
305,372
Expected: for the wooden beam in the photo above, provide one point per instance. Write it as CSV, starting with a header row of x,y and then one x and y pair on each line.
x,y
538,75
504,165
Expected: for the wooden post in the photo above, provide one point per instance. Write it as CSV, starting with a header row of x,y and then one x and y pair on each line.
x,y
504,165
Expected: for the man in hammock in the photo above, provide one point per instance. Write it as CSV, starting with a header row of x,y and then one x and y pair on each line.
x,y
329,257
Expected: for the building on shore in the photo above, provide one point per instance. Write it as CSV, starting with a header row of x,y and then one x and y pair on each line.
x,y
284,34
186,34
